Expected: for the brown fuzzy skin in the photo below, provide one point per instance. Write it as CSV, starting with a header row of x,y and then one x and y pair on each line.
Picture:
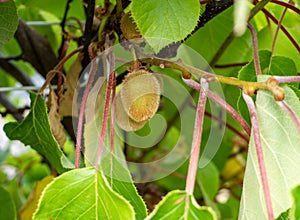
x,y
140,95
123,120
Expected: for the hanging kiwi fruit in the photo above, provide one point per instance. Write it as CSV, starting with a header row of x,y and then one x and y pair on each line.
x,y
138,100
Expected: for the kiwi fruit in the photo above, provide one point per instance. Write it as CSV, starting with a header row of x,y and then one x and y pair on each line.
x,y
138,99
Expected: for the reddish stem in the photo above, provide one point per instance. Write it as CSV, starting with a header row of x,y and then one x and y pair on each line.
x,y
217,99
287,5
287,79
284,30
245,137
255,49
230,65
195,151
259,153
62,61
112,117
277,30
82,109
291,113
105,119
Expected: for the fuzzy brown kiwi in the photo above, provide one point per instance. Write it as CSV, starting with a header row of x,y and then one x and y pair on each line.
x,y
140,95
123,120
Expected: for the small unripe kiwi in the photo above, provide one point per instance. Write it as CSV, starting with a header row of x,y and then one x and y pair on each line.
x,y
123,120
140,94
137,100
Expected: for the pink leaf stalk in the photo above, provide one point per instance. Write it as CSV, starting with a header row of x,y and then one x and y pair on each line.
x,y
195,151
217,99
112,118
105,119
287,79
259,153
255,50
82,109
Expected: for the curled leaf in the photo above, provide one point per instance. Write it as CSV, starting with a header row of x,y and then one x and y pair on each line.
x,y
57,128
70,86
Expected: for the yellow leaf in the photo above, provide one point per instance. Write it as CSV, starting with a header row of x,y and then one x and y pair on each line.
x,y
30,206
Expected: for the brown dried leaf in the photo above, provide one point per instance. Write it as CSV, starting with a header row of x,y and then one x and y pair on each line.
x,y
54,119
65,107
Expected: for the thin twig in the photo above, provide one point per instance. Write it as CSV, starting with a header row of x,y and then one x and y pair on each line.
x,y
222,103
105,119
284,30
287,5
88,31
255,50
287,79
277,31
230,65
82,109
62,24
195,151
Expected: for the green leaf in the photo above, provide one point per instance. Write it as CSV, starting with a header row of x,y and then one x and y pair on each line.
x,y
296,205
82,194
164,22
35,131
208,180
114,166
8,21
248,72
174,206
275,66
280,144
284,215
121,182
7,207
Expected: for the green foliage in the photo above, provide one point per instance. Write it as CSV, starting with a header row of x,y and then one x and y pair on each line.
x,y
296,205
121,182
82,194
280,148
208,180
35,131
284,215
8,21
7,208
165,22
112,194
270,65
179,205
